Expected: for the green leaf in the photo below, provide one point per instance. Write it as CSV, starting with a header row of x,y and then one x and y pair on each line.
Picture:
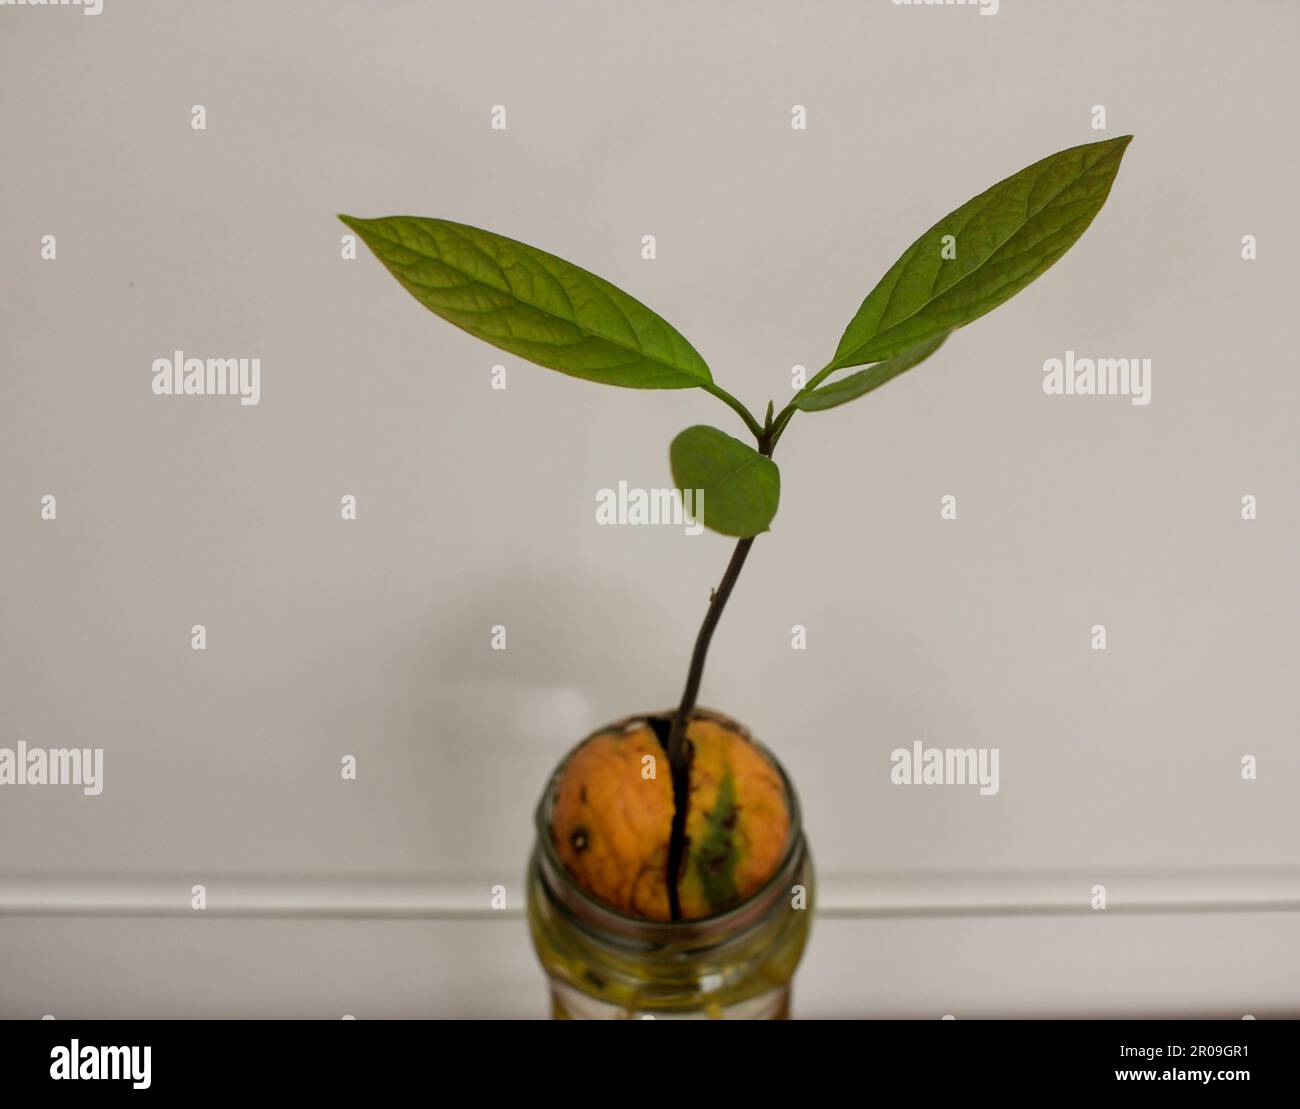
x,y
1004,238
532,304
741,488
873,377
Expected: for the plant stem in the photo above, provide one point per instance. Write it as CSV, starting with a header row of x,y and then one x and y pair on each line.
x,y
731,402
787,413
679,753
717,601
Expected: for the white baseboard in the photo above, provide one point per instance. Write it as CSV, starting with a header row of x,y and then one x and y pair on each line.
x,y
986,893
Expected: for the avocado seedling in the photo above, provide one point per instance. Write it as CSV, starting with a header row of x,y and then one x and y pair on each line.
x,y
548,311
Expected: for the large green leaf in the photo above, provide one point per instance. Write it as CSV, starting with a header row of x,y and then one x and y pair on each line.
x,y
532,304
741,487
1003,238
873,377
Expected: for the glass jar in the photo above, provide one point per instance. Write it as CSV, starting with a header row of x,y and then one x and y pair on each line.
x,y
604,964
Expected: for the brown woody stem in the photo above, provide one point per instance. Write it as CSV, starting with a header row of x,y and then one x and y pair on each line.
x,y
679,752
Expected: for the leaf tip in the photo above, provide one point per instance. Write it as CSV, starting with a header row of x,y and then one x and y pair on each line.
x,y
1118,145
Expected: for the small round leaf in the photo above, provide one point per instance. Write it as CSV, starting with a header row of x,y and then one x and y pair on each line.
x,y
740,487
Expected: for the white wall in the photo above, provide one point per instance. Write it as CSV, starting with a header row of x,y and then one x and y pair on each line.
x,y
476,507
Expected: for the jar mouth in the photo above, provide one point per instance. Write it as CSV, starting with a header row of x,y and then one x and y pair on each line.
x,y
640,931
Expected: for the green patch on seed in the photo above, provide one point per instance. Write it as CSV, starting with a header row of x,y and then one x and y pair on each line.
x,y
716,857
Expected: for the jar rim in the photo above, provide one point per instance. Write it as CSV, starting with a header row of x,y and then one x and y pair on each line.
x,y
613,923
